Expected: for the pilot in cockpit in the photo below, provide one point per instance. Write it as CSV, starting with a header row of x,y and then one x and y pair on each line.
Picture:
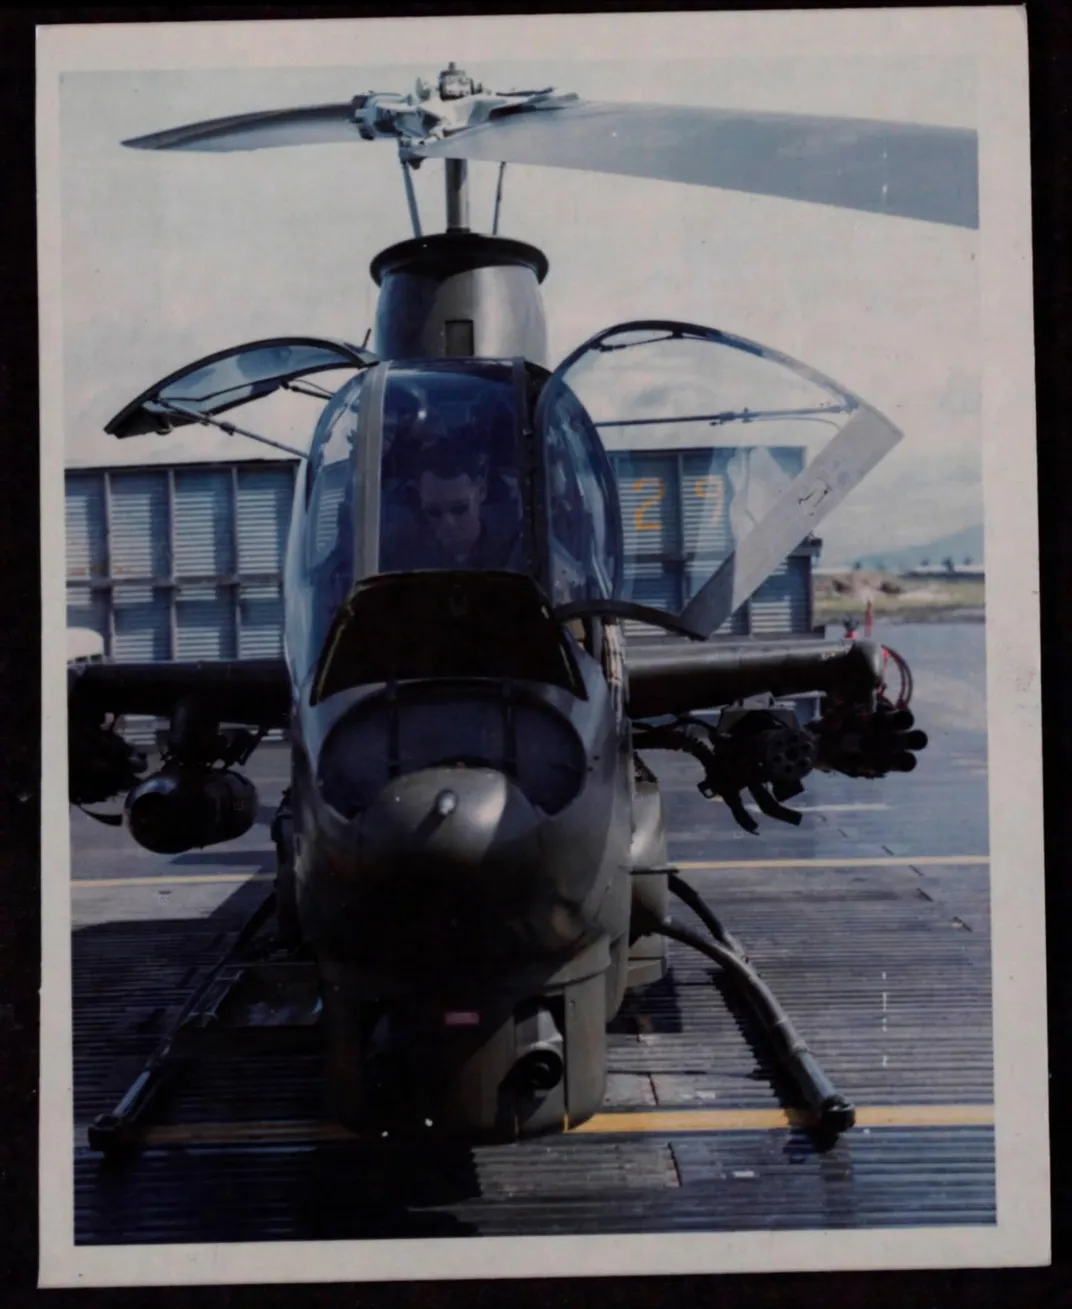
x,y
455,524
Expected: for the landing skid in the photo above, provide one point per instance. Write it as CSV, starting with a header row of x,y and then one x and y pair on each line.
x,y
250,1002
833,1112
268,1001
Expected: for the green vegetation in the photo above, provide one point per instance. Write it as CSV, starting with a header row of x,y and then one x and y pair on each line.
x,y
846,594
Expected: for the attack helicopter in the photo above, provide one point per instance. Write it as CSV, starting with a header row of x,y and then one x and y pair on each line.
x,y
472,850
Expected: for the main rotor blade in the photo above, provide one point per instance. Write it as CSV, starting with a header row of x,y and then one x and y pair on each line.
x,y
903,169
861,444
310,125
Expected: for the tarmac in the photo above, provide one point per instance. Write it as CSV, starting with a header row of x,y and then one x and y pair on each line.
x,y
870,921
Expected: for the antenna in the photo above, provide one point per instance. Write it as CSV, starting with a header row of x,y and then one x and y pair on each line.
x,y
498,200
411,197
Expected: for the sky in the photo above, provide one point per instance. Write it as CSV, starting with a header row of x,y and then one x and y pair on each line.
x,y
168,257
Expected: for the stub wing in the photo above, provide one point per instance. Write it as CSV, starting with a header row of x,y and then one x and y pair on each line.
x,y
758,746
676,679
253,693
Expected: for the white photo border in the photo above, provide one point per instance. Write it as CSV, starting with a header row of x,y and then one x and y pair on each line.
x,y
998,38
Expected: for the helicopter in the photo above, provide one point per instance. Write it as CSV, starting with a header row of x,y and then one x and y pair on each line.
x,y
472,849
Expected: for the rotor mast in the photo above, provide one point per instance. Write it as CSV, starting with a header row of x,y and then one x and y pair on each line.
x,y
456,293
456,84
457,195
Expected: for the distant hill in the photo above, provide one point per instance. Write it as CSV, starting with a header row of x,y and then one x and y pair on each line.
x,y
966,544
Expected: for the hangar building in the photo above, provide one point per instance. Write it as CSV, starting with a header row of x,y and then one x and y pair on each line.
x,y
184,561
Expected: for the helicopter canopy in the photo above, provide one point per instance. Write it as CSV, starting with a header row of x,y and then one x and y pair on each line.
x,y
432,465
471,463
765,448
451,470
221,381
489,464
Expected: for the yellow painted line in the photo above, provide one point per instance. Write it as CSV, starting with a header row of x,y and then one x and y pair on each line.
x,y
737,1120
210,879
927,1115
920,861
170,879
646,1123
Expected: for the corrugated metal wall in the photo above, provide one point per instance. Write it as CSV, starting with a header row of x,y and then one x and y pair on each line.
x,y
264,503
677,528
181,563
203,551
87,553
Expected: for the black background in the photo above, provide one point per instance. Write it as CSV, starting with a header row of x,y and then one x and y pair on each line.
x,y
1050,36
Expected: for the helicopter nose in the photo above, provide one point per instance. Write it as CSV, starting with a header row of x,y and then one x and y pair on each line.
x,y
462,818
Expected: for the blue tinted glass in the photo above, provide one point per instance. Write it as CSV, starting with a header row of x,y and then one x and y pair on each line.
x,y
248,374
651,527
585,552
450,477
705,432
330,525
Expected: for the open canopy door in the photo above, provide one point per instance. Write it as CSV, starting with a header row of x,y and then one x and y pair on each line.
x,y
765,446
201,390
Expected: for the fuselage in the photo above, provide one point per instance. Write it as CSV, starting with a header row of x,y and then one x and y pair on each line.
x,y
454,833
462,771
